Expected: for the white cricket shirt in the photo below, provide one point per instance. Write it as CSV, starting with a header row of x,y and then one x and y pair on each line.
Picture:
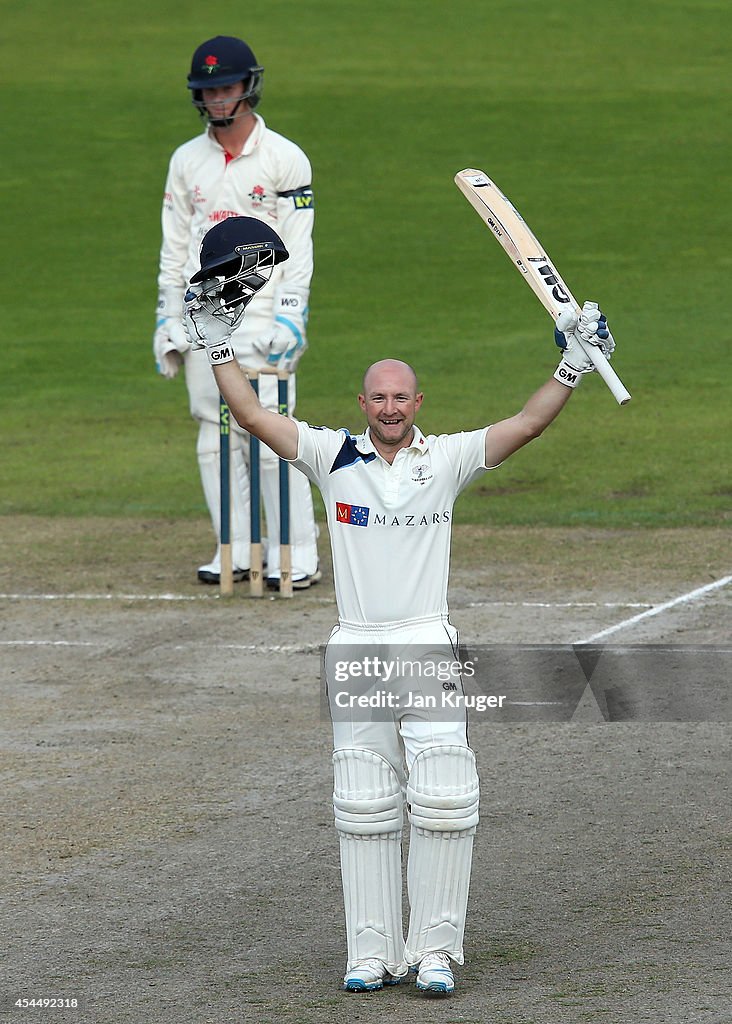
x,y
204,187
390,525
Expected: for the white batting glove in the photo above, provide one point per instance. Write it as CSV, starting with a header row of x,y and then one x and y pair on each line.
x,y
169,341
205,330
285,342
591,329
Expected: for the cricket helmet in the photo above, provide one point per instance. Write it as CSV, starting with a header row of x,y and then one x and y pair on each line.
x,y
225,60
238,256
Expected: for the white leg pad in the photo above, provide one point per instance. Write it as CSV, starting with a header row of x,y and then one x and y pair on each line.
x,y
443,794
369,812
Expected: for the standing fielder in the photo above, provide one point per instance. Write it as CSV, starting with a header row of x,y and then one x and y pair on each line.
x,y
389,495
237,167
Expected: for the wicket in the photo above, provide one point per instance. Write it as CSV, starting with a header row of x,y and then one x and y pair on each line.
x,y
226,578
256,568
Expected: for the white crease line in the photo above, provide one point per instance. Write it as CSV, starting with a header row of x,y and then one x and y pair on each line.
x,y
107,597
215,596
558,604
658,609
48,643
535,703
212,596
258,648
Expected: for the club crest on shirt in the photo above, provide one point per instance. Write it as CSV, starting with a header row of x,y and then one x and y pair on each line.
x,y
422,473
257,195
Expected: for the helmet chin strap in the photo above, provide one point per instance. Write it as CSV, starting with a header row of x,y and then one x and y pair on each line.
x,y
224,122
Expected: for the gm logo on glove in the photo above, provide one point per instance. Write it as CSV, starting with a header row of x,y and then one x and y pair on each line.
x,y
223,354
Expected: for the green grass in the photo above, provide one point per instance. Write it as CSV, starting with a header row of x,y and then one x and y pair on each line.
x,y
605,125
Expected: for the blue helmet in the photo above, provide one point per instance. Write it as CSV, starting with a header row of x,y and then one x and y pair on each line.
x,y
238,256
225,60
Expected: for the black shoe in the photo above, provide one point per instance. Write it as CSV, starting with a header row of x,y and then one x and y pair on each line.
x,y
206,575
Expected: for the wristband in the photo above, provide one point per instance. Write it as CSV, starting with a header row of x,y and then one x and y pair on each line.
x,y
221,353
567,374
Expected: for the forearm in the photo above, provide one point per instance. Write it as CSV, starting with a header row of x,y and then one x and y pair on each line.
x,y
507,436
544,406
238,392
278,432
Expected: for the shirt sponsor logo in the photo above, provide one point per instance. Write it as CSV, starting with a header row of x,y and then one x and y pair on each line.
x,y
218,215
304,201
352,515
426,519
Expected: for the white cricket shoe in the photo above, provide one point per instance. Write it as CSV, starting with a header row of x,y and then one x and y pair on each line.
x,y
300,582
369,976
211,573
435,977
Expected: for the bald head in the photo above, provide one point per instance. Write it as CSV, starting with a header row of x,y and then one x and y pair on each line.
x,y
390,401
390,371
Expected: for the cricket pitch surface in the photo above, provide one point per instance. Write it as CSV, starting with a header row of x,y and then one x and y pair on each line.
x,y
168,847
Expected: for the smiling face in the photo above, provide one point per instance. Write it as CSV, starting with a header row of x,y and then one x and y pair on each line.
x,y
390,401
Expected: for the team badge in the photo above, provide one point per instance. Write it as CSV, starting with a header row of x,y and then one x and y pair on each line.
x,y
257,195
422,473
211,64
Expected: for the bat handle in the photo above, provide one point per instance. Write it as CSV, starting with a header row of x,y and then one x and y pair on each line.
x,y
603,367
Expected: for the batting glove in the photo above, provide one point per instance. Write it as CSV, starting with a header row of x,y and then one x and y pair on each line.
x,y
205,330
571,332
285,342
593,329
169,341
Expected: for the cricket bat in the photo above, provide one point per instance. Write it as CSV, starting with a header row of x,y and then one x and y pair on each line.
x,y
531,260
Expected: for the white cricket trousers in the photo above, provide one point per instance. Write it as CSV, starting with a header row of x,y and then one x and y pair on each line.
x,y
398,741
397,733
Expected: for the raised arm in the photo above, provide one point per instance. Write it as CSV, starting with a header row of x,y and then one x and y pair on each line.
x,y
507,436
277,431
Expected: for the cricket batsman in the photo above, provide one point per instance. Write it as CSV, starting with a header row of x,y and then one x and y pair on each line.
x,y
389,493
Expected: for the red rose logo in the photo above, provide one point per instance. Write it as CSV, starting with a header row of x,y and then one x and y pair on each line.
x,y
212,61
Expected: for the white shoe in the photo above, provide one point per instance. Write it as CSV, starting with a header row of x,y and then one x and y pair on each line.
x,y
435,977
301,582
211,573
369,976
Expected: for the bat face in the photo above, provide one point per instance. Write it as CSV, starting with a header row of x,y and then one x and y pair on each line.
x,y
521,245
525,252
553,283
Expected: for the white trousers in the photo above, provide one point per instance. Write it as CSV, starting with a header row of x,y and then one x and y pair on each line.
x,y
397,734
395,743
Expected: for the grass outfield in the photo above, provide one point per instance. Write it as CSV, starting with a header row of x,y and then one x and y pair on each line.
x,y
607,127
